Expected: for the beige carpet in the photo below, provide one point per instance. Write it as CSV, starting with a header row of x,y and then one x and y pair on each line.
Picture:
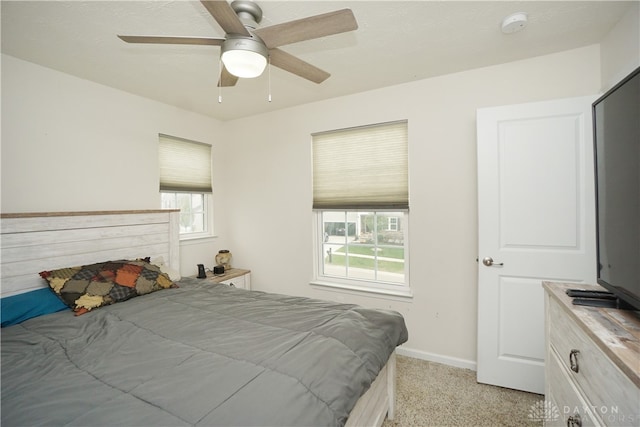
x,y
432,394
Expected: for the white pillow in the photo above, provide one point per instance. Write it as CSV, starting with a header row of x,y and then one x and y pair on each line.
x,y
172,273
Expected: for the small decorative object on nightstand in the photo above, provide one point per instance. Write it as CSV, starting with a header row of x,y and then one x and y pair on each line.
x,y
234,277
223,258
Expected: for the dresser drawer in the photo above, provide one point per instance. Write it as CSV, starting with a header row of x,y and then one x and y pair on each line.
x,y
563,398
611,394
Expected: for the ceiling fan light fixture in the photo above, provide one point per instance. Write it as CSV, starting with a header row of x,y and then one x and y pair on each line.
x,y
244,57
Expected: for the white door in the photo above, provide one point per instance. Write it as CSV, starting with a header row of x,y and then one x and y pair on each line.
x,y
536,221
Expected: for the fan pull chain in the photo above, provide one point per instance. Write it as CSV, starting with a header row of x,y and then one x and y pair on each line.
x,y
220,80
269,78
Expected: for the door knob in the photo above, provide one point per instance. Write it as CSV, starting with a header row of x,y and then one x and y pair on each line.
x,y
488,261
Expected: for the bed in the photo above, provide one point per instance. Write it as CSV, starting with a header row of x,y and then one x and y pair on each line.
x,y
196,354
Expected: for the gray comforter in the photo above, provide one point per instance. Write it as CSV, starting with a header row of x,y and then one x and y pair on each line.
x,y
202,354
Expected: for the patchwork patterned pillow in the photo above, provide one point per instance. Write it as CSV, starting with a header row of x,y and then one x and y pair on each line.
x,y
86,287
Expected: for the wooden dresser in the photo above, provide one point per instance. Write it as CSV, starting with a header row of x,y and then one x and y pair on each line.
x,y
592,369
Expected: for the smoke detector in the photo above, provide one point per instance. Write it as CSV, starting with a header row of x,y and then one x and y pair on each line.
x,y
514,23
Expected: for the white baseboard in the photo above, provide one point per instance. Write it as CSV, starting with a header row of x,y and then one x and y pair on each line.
x,y
438,358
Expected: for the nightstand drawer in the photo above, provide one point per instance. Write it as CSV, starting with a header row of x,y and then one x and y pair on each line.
x,y
235,277
236,282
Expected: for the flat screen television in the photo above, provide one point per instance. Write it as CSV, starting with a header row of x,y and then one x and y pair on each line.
x,y
616,125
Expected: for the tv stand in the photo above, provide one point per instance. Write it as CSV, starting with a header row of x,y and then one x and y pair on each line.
x,y
592,374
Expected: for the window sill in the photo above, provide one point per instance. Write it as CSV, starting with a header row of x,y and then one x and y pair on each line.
x,y
393,294
196,240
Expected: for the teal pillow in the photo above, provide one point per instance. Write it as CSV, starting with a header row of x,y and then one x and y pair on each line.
x,y
18,308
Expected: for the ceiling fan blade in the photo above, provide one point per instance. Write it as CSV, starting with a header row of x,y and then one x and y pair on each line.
x,y
209,41
226,78
309,28
225,16
290,63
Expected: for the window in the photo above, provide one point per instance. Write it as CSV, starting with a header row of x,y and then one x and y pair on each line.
x,y
359,245
185,184
361,204
193,211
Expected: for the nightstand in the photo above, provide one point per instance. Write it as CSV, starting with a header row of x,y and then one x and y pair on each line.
x,y
234,277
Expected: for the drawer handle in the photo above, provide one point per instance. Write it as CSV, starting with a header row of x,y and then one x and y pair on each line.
x,y
574,421
232,285
573,361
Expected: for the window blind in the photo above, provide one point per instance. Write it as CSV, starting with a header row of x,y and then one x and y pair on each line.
x,y
184,165
361,168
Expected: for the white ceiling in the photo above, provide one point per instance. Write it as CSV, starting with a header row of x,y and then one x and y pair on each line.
x,y
396,42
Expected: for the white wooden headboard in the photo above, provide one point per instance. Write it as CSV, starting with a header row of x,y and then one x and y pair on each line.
x,y
34,242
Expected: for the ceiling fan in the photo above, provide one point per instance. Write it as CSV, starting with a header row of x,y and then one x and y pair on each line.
x,y
246,49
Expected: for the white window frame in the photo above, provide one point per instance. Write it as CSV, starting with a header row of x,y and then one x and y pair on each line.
x,y
347,154
353,285
208,218
186,168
